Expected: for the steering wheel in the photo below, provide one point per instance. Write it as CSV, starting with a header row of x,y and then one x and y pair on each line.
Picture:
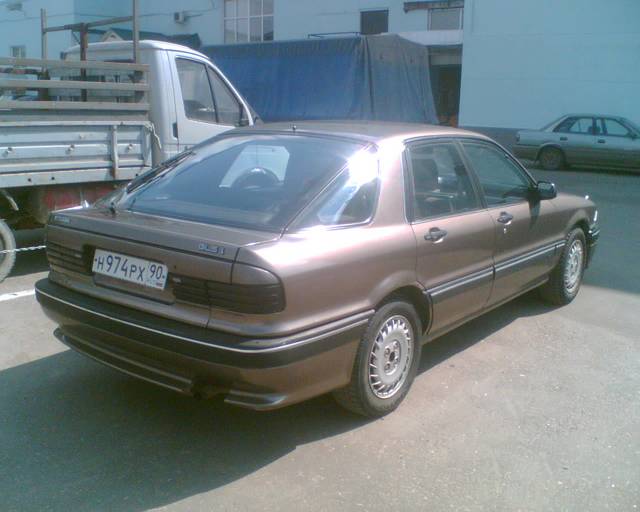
x,y
255,177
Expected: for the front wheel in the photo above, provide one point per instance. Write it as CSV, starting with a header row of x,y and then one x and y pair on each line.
x,y
7,242
566,278
386,362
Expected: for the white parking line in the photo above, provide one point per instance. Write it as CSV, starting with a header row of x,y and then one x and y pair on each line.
x,y
17,295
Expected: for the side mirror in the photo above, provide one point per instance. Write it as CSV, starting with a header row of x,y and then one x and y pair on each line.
x,y
546,190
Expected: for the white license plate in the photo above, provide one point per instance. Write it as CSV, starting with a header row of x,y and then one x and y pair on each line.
x,y
128,268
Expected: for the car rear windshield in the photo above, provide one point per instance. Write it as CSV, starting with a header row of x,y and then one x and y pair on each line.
x,y
250,181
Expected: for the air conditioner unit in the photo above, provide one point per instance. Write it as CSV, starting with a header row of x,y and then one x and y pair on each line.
x,y
180,17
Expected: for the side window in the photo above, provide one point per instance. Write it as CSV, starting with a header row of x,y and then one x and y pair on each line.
x,y
578,125
501,179
615,129
228,106
350,199
441,185
196,91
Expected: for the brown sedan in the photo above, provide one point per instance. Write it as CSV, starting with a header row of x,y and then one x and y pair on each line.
x,y
272,264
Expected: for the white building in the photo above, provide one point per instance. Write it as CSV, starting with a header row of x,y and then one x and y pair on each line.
x,y
503,64
526,63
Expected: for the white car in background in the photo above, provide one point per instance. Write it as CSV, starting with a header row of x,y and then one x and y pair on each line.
x,y
582,139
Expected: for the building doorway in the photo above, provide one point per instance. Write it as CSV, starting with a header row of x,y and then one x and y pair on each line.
x,y
446,77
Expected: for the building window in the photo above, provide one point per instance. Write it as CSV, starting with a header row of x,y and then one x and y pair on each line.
x,y
374,22
446,19
18,52
248,20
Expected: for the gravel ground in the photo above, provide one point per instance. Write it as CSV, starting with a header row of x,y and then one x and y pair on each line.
x,y
526,408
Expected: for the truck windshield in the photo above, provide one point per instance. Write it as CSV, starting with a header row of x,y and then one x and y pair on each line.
x,y
249,181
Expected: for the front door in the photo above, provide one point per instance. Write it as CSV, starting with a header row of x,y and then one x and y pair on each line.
x,y
528,233
207,108
454,233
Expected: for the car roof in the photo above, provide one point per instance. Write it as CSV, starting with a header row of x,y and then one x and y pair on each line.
x,y
145,44
366,131
592,115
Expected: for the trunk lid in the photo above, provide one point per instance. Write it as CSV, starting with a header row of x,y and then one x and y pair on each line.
x,y
190,250
183,235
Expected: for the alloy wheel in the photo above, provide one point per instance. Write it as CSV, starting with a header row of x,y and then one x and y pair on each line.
x,y
391,357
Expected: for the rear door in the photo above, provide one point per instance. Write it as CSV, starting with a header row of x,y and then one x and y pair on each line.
x,y
615,144
454,233
577,137
527,232
205,104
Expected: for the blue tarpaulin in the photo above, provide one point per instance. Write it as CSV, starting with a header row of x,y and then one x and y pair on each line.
x,y
382,78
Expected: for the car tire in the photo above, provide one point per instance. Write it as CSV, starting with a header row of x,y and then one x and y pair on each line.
x,y
391,346
7,242
566,277
552,159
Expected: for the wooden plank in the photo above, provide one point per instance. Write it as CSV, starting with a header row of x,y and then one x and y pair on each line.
x,y
72,105
12,83
73,64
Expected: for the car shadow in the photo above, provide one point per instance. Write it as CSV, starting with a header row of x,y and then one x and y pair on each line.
x,y
78,436
467,335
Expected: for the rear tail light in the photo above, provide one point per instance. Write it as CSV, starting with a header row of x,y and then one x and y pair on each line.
x,y
241,298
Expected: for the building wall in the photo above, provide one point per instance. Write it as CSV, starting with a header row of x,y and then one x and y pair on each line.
x,y
294,19
528,62
22,27
205,17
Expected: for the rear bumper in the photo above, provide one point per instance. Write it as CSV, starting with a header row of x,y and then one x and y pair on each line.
x,y
259,373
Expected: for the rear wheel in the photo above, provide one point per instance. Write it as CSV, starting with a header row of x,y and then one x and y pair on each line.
x,y
566,278
7,242
552,159
386,362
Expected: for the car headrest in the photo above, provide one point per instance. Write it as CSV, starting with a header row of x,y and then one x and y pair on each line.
x,y
425,174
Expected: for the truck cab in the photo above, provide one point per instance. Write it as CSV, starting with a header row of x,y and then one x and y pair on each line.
x,y
190,99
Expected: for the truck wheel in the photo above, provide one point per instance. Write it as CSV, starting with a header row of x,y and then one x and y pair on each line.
x,y
552,159
386,362
7,242
566,278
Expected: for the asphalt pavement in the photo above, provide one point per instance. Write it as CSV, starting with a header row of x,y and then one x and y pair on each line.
x,y
526,408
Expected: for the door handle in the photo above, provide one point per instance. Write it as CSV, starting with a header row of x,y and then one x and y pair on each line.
x,y
505,218
602,141
563,138
435,235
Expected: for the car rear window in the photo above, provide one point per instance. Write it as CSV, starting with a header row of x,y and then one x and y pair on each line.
x,y
251,181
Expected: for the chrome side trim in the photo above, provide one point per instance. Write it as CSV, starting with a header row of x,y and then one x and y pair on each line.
x,y
523,259
283,343
442,291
